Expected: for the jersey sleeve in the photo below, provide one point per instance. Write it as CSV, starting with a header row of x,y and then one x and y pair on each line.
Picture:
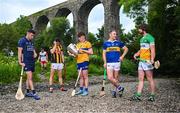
x,y
89,45
104,46
151,40
21,43
121,44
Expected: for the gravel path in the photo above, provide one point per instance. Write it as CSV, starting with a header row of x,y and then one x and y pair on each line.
x,y
167,99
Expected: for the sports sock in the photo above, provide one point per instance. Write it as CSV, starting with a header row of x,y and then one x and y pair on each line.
x,y
27,90
81,88
33,91
86,89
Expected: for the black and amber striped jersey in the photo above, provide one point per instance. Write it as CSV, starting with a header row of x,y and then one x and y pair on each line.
x,y
57,56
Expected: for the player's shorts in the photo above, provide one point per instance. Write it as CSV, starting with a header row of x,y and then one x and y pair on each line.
x,y
29,67
145,66
43,62
83,65
114,66
57,66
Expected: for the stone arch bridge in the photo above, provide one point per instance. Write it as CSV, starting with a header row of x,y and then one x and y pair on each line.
x,y
80,10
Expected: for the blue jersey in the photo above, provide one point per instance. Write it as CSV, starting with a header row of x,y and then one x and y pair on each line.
x,y
112,49
28,50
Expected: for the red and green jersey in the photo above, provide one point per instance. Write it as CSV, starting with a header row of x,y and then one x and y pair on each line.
x,y
145,43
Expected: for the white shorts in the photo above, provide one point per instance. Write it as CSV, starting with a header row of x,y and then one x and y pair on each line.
x,y
145,66
114,66
57,66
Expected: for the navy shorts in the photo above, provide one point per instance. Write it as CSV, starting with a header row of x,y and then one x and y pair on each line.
x,y
83,65
29,67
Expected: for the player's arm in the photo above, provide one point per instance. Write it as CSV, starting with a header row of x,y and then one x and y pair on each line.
x,y
54,48
136,54
20,56
153,54
89,51
35,54
62,56
104,58
125,50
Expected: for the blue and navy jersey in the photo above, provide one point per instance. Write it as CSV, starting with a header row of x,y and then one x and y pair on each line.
x,y
28,50
112,49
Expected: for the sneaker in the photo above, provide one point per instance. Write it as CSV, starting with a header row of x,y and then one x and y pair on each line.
x,y
151,98
113,94
63,89
120,91
135,97
79,92
30,94
85,93
36,97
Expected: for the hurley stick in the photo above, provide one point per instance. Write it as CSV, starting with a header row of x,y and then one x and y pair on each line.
x,y
73,92
19,94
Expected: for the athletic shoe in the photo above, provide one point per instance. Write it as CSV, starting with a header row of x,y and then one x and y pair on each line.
x,y
36,97
63,89
135,97
85,93
113,94
151,98
30,94
120,91
79,92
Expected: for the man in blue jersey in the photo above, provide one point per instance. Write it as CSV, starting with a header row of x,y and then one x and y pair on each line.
x,y
26,58
112,60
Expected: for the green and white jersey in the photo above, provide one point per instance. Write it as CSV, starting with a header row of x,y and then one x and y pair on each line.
x,y
145,43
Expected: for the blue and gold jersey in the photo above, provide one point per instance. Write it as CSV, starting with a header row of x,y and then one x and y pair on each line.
x,y
82,57
112,49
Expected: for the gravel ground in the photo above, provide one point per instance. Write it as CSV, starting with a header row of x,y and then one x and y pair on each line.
x,y
167,98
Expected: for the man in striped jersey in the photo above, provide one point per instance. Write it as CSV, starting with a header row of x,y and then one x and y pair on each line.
x,y
147,54
57,60
113,58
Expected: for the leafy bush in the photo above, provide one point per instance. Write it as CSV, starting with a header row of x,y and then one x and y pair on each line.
x,y
128,67
95,69
96,59
10,70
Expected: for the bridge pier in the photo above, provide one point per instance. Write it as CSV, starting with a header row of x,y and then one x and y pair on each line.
x,y
80,10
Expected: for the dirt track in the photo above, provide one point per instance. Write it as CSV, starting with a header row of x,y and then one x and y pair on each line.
x,y
167,99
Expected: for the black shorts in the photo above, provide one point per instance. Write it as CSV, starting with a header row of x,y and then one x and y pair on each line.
x,y
29,67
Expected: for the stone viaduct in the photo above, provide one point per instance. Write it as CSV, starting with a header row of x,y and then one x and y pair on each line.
x,y
80,10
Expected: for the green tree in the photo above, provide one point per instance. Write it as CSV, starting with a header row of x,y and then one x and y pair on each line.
x,y
59,28
8,36
136,9
22,24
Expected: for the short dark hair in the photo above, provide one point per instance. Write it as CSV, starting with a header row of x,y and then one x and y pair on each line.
x,y
31,31
144,27
81,34
112,30
57,40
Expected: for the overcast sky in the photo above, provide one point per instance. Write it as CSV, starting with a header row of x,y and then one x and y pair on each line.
x,y
10,10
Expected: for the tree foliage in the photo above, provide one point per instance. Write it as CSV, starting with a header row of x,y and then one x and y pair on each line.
x,y
11,33
59,28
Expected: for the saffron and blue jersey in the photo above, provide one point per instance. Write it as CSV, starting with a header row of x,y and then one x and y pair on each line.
x,y
112,49
28,50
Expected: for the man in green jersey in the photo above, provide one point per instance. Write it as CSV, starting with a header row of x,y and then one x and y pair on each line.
x,y
147,56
